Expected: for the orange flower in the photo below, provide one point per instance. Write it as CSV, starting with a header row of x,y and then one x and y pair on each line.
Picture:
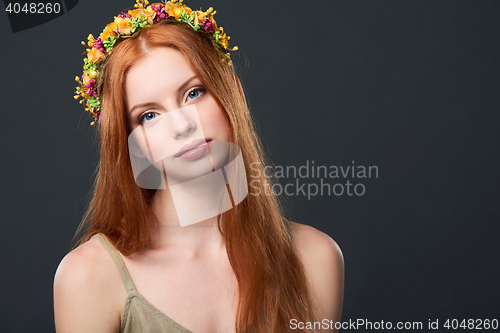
x,y
111,27
197,16
168,8
95,55
107,32
150,14
204,15
123,26
174,10
136,13
86,79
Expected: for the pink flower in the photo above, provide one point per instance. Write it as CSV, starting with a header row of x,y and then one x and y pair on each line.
x,y
207,25
160,11
91,91
99,44
123,15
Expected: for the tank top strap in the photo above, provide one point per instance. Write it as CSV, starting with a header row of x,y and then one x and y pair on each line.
x,y
118,260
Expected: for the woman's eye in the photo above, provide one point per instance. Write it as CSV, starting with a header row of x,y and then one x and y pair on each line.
x,y
147,117
194,93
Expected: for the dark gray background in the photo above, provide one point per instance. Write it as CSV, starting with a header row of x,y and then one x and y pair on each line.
x,y
411,87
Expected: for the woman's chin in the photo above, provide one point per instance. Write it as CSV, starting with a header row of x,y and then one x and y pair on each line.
x,y
188,170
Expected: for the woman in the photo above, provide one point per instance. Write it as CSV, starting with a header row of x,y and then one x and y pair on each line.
x,y
137,269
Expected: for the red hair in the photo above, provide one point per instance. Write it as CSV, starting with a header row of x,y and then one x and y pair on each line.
x,y
272,284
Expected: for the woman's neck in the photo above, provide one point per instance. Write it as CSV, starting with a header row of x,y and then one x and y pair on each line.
x,y
195,238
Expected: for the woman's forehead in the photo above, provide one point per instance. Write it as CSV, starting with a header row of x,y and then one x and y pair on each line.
x,y
161,61
161,71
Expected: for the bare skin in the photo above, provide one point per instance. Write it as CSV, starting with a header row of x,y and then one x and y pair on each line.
x,y
182,278
186,273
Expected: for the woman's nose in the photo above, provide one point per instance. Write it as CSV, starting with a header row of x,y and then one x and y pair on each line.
x,y
182,123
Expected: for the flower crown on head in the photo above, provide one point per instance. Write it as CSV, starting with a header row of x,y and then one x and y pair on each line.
x,y
128,25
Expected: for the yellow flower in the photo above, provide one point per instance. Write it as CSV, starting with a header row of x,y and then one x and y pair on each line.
x,y
95,55
92,74
123,26
178,12
141,3
226,60
223,42
223,38
91,40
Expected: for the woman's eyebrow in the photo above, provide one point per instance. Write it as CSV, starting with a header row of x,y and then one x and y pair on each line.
x,y
141,106
182,86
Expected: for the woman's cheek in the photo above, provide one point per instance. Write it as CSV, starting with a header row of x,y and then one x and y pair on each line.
x,y
213,121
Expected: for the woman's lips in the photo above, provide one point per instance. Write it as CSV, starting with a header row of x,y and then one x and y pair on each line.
x,y
193,150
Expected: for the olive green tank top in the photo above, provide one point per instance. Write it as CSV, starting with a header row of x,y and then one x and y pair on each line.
x,y
139,315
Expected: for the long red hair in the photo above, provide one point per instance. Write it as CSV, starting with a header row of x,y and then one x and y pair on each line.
x,y
272,283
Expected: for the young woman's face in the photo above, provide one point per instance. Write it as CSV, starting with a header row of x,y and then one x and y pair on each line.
x,y
170,108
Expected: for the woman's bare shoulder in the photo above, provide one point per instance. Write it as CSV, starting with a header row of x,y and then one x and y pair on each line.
x,y
86,285
310,241
324,265
88,263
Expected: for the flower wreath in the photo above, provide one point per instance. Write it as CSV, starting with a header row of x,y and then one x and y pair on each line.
x,y
128,25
